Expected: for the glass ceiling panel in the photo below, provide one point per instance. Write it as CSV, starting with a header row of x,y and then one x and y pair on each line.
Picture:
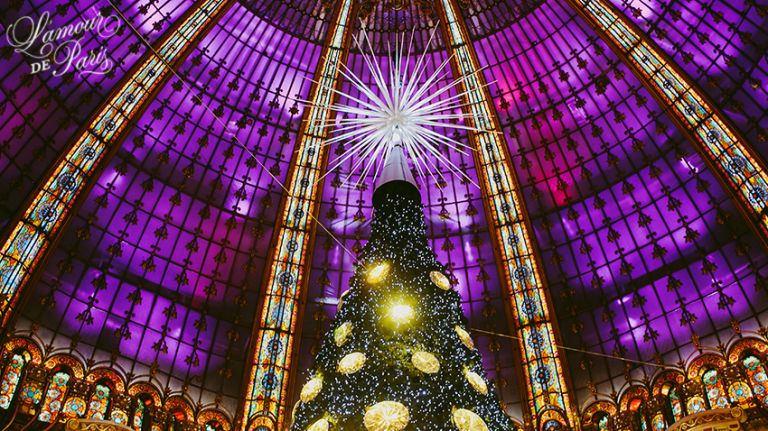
x,y
643,248
162,265
40,113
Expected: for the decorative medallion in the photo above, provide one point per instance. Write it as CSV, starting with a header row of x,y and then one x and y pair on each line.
x,y
467,420
342,333
386,416
352,363
311,389
476,381
425,362
440,280
320,425
378,273
464,337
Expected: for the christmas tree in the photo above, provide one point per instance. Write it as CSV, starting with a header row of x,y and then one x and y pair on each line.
x,y
399,355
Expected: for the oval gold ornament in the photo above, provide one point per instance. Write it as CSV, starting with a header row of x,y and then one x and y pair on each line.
x,y
341,300
467,420
440,280
311,389
378,273
464,337
476,381
425,362
320,425
352,363
386,416
342,333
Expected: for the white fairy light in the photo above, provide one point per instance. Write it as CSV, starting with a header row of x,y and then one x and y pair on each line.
x,y
400,108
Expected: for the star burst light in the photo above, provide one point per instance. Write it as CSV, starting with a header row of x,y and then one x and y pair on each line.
x,y
400,108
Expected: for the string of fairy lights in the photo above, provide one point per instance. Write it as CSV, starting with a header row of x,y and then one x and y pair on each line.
x,y
314,219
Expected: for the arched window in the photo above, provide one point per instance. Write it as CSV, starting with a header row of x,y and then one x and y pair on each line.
x,y
142,412
713,387
757,377
178,417
601,419
674,404
97,407
658,423
12,376
638,415
739,392
54,395
695,405
119,417
74,407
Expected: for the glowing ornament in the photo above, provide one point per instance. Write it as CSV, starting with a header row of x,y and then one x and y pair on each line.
x,y
342,333
386,416
477,382
464,337
311,389
378,273
352,363
467,420
425,362
440,280
400,313
320,425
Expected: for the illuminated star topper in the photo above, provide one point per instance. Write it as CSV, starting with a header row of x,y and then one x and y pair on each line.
x,y
400,108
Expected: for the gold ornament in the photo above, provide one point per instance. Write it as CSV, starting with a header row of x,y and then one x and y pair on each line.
x,y
477,382
467,420
294,410
320,425
378,273
342,333
464,337
400,313
440,280
311,389
386,416
341,300
425,362
352,363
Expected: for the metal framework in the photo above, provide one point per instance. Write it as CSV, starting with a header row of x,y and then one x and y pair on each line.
x,y
548,397
275,331
56,198
730,156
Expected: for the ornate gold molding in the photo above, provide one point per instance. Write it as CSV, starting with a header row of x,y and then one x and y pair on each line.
x,y
712,420
94,425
